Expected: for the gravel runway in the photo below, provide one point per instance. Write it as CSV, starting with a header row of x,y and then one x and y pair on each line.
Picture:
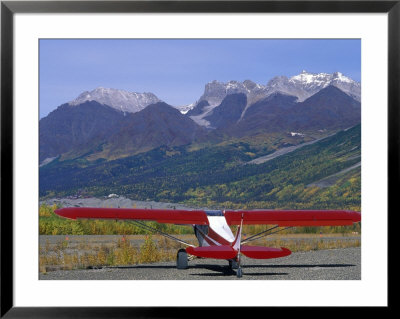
x,y
332,264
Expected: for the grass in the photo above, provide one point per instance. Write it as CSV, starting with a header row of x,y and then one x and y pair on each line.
x,y
91,252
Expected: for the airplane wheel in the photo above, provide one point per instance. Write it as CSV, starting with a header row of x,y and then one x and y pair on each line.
x,y
182,259
233,264
239,273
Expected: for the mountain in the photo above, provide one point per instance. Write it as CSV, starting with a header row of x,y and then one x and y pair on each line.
x,y
308,126
275,103
215,92
330,108
156,125
110,123
228,112
264,115
301,86
307,84
198,109
184,109
120,100
216,176
100,131
76,127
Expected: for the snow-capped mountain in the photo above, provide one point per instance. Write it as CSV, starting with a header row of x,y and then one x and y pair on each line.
x,y
121,100
91,127
215,91
307,84
185,108
93,122
301,86
330,108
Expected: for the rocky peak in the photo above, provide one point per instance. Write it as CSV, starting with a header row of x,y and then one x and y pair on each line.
x,y
121,100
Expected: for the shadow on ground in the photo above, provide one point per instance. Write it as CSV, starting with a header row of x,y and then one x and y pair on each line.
x,y
218,270
300,266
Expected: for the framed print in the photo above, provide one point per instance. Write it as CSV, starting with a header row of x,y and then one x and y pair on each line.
x,y
102,105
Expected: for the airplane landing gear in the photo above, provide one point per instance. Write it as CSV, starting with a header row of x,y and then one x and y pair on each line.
x,y
239,273
182,259
233,264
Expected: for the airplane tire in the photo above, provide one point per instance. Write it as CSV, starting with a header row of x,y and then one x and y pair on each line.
x,y
182,259
233,264
239,273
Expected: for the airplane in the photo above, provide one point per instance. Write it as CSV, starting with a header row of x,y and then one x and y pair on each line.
x,y
212,228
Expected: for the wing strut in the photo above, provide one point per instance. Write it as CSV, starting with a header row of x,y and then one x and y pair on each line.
x,y
237,245
146,227
258,236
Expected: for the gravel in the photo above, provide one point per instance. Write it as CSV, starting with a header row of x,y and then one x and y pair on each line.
x,y
284,151
114,201
332,264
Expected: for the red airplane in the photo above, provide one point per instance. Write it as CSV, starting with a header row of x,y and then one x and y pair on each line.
x,y
212,230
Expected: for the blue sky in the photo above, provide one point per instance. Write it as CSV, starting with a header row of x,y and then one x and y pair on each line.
x,y
177,70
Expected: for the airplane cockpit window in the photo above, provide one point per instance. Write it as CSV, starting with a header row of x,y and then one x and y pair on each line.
x,y
214,213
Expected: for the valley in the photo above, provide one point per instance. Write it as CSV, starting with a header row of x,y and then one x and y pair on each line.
x,y
216,177
293,143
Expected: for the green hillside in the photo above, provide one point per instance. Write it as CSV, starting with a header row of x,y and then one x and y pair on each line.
x,y
217,176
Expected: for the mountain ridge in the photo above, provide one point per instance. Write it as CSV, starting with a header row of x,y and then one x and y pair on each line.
x,y
120,100
301,86
330,108
91,127
97,129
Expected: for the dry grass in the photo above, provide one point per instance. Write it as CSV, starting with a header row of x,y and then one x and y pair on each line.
x,y
92,252
88,254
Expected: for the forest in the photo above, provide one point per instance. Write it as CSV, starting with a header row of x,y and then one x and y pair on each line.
x,y
218,176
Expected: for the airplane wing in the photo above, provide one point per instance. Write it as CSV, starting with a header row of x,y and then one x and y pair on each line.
x,y
171,216
282,218
287,218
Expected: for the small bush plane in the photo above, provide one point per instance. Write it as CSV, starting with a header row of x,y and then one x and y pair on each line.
x,y
212,228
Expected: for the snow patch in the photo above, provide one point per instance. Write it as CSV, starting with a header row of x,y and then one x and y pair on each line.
x,y
121,100
297,134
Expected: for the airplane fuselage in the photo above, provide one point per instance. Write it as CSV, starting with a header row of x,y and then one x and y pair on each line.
x,y
217,233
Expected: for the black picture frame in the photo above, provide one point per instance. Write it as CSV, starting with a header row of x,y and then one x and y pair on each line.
x,y
9,8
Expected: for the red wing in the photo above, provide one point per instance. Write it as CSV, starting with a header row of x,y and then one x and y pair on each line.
x,y
294,217
258,252
218,252
170,216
